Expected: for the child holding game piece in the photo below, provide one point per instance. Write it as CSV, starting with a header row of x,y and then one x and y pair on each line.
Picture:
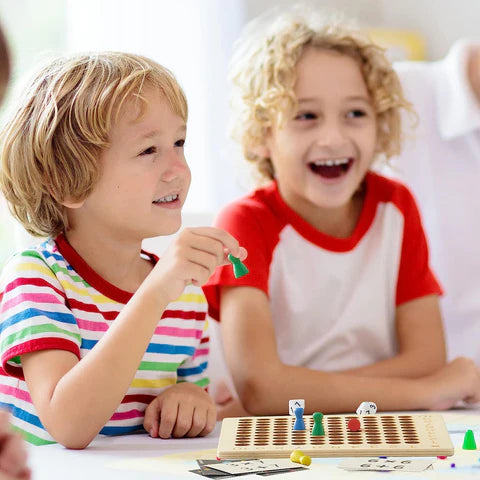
x,y
98,336
340,304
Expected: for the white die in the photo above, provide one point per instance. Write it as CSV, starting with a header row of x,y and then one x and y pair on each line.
x,y
294,404
367,408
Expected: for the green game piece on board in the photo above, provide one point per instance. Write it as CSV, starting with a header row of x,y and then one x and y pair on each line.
x,y
469,441
318,430
239,269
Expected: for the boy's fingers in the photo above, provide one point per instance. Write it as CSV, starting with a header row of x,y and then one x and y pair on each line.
x,y
210,423
152,419
243,254
199,422
168,418
184,420
228,241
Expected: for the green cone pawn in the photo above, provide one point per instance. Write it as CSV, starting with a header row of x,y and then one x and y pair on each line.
x,y
469,441
239,269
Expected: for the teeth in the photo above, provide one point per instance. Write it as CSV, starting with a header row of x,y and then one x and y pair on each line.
x,y
331,162
168,198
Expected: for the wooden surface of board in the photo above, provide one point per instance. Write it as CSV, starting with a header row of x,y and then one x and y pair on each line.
x,y
379,434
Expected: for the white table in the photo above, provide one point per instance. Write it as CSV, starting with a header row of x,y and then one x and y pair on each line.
x,y
139,457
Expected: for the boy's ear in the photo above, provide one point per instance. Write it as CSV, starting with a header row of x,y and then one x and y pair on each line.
x,y
70,203
261,151
67,201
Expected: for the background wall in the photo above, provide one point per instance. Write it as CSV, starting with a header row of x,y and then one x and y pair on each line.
x,y
441,22
194,38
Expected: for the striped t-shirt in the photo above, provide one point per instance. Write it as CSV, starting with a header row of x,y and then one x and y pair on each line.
x,y
51,299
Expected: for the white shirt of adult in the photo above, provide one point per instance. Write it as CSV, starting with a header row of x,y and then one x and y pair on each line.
x,y
440,162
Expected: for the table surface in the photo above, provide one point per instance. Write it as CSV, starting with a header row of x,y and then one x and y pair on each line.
x,y
140,457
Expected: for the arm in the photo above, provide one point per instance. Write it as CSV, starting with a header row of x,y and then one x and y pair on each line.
x,y
74,399
185,409
421,343
265,384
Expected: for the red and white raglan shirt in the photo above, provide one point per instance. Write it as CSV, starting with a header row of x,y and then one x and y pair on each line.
x,y
332,300
51,299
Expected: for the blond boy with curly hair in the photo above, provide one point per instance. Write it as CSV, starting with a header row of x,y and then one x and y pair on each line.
x,y
341,305
97,335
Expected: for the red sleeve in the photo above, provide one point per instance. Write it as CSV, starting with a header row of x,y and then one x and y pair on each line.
x,y
256,229
415,277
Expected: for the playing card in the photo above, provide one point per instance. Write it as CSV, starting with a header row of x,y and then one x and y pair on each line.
x,y
386,464
222,475
207,473
210,472
277,472
254,466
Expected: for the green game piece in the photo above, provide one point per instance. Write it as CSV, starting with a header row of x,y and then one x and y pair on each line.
x,y
239,269
469,441
318,430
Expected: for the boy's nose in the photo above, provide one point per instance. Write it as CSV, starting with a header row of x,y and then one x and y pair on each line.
x,y
330,134
176,167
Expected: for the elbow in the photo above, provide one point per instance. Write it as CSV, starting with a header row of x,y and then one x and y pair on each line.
x,y
74,444
435,361
71,437
256,396
424,364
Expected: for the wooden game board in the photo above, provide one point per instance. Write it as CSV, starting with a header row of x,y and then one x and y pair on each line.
x,y
380,434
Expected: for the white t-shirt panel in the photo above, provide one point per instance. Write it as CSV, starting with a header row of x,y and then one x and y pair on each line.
x,y
342,303
333,300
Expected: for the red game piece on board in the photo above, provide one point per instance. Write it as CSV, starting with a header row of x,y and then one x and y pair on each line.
x,y
353,425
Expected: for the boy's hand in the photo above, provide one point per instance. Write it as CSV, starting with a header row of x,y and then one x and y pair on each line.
x,y
13,452
457,381
192,258
183,410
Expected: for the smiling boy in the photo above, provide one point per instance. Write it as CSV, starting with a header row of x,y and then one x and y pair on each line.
x,y
98,336
341,304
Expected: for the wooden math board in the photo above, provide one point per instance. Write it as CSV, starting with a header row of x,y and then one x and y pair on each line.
x,y
379,434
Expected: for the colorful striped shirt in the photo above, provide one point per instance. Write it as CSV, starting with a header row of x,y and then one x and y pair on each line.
x,y
51,299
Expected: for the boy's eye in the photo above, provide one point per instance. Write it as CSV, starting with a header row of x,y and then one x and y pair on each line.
x,y
305,116
356,113
180,143
149,151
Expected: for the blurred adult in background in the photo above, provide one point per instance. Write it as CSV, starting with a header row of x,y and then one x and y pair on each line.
x,y
13,453
4,65
440,162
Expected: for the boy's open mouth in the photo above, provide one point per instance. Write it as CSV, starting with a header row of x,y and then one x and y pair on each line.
x,y
167,199
331,168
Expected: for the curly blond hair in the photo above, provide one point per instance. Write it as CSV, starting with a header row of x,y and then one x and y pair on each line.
x,y
263,72
51,144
